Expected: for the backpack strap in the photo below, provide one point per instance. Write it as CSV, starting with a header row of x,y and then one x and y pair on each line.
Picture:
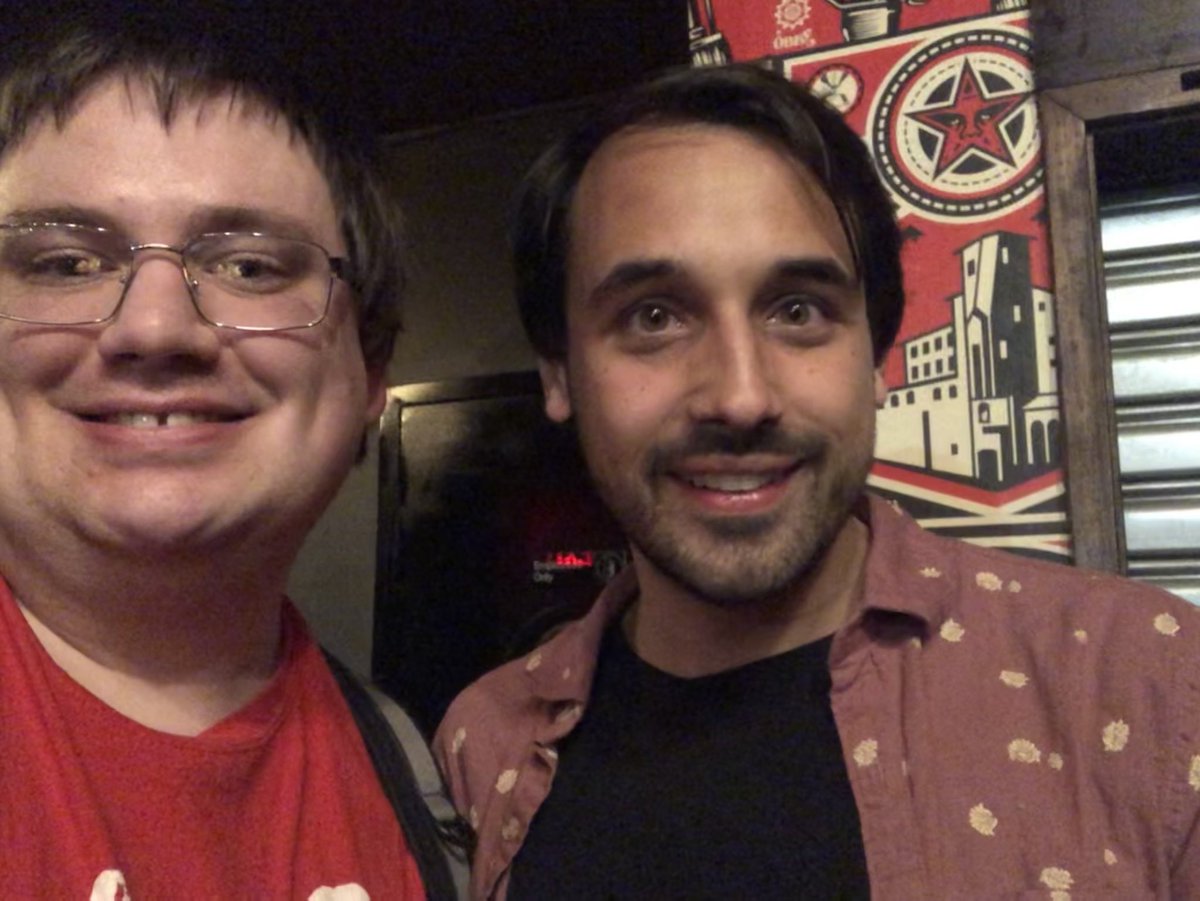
x,y
437,836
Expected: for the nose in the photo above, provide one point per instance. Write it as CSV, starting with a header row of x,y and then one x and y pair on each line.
x,y
735,382
157,317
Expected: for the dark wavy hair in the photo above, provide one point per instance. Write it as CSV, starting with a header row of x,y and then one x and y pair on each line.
x,y
744,97
47,74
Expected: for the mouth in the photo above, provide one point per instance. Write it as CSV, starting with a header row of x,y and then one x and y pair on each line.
x,y
738,476
735,482
167,420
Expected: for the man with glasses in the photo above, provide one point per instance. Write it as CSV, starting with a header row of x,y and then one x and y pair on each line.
x,y
198,288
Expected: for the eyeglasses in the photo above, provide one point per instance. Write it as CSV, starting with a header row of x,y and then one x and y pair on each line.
x,y
63,274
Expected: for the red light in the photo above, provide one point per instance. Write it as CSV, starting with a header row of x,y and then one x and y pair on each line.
x,y
573,559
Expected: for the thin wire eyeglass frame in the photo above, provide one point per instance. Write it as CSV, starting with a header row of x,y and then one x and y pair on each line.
x,y
338,269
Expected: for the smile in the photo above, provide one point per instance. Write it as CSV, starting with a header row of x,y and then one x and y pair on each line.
x,y
735,482
136,420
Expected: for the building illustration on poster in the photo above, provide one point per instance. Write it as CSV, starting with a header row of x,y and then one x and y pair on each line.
x,y
981,392
705,41
969,436
865,20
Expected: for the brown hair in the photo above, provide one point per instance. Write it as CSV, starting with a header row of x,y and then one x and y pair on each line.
x,y
744,97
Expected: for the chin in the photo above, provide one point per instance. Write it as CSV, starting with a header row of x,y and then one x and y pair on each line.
x,y
739,566
733,572
153,527
153,537
745,586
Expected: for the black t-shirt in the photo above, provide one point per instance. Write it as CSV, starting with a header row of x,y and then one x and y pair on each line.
x,y
725,786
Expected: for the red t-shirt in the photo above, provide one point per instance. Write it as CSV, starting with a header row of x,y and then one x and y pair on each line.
x,y
278,800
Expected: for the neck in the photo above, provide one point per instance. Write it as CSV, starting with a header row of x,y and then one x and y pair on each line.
x,y
685,635
174,644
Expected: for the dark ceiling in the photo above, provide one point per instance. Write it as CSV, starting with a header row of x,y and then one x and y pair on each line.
x,y
440,62
414,65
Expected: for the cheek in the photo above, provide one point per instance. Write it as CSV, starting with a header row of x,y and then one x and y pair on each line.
x,y
33,361
344,374
319,388
620,410
841,398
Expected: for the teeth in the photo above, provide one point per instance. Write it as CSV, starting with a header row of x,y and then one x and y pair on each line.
x,y
158,420
136,420
733,482
178,419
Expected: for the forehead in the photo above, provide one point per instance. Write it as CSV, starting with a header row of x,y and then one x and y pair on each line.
x,y
700,190
115,157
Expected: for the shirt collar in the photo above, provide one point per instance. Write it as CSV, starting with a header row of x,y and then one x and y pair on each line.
x,y
908,573
561,670
908,569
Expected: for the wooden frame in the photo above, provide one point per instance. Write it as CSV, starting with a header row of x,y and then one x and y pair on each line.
x,y
1069,116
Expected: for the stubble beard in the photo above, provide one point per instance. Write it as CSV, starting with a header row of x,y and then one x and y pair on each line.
x,y
753,560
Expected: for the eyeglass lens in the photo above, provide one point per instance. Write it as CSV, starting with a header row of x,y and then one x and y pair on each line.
x,y
57,274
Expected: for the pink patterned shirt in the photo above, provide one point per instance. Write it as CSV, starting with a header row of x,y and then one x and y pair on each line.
x,y
1011,728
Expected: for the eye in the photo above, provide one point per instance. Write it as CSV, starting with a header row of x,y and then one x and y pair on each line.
x,y
650,318
54,256
800,319
796,311
65,266
251,264
988,113
246,270
649,325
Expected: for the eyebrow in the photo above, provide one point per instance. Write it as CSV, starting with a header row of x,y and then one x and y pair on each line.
x,y
630,274
202,220
65,215
826,270
244,218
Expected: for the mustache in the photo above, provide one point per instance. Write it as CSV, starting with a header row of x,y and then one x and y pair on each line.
x,y
718,438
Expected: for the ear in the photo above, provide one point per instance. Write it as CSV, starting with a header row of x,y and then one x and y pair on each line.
x,y
376,393
881,388
555,388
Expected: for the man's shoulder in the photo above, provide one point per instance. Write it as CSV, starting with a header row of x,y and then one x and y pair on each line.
x,y
1050,688
495,708
1044,588
492,730
500,693
1098,627
555,674
970,578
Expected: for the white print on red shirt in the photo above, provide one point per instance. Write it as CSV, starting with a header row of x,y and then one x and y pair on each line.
x,y
110,886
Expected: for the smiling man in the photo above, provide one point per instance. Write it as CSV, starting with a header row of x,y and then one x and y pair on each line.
x,y
198,288
793,691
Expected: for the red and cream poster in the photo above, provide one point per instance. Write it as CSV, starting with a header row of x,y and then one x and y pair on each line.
x,y
942,92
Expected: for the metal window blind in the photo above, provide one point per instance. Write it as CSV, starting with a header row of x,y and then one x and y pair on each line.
x,y
1151,251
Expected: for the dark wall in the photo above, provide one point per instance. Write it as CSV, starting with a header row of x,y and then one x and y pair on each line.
x,y
1084,40
455,186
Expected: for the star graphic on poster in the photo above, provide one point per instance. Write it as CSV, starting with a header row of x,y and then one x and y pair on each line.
x,y
971,122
